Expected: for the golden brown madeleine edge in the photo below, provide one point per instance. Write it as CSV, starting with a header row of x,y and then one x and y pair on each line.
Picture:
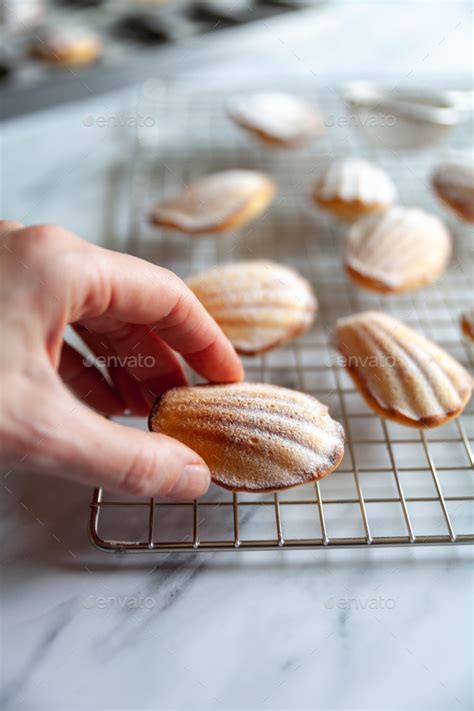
x,y
248,210
467,326
373,284
270,139
347,210
455,205
274,142
290,336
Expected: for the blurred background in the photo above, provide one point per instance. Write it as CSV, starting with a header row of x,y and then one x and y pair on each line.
x,y
59,50
78,77
129,37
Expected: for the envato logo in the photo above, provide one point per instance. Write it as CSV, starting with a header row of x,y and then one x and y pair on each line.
x,y
366,361
134,361
130,121
369,121
358,603
134,602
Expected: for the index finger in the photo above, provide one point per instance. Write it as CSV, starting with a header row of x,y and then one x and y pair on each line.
x,y
131,290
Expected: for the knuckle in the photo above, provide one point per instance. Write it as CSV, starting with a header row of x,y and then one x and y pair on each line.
x,y
122,333
211,349
7,227
174,284
167,275
50,251
179,314
42,238
139,478
94,271
38,247
169,482
182,301
9,232
29,441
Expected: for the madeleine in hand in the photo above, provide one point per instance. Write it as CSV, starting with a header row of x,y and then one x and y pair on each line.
x,y
253,437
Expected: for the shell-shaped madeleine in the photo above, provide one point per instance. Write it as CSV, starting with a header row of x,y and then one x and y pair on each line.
x,y
467,323
252,436
71,45
216,203
258,304
402,375
397,250
275,118
453,183
352,188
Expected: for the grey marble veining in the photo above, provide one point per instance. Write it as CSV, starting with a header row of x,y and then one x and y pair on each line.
x,y
286,630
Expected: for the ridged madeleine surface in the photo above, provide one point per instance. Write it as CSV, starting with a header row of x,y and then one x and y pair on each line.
x,y
352,188
275,118
397,250
259,305
253,437
453,182
216,203
402,375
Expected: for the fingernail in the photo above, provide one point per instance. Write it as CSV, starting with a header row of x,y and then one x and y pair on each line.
x,y
193,482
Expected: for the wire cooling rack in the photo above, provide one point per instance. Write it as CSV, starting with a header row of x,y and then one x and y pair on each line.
x,y
396,486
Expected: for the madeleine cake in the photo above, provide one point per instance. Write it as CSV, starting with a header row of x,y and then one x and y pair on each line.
x,y
71,46
253,437
467,323
397,250
258,304
402,375
216,203
352,188
280,120
453,183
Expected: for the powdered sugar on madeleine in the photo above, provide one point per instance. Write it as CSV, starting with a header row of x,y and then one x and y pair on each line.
x,y
253,436
258,304
401,374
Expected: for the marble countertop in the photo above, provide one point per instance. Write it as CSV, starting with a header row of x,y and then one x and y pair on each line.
x,y
345,629
361,629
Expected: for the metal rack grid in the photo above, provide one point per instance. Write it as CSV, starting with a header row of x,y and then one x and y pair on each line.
x,y
396,486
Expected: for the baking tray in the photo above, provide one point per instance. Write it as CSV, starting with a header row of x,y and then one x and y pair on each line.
x,y
188,38
396,486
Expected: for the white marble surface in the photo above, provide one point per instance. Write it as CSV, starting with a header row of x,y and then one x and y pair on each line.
x,y
363,629
385,629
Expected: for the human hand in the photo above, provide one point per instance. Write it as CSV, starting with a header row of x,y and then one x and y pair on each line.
x,y
133,315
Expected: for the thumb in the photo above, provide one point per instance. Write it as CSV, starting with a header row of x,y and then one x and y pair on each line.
x,y
84,446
